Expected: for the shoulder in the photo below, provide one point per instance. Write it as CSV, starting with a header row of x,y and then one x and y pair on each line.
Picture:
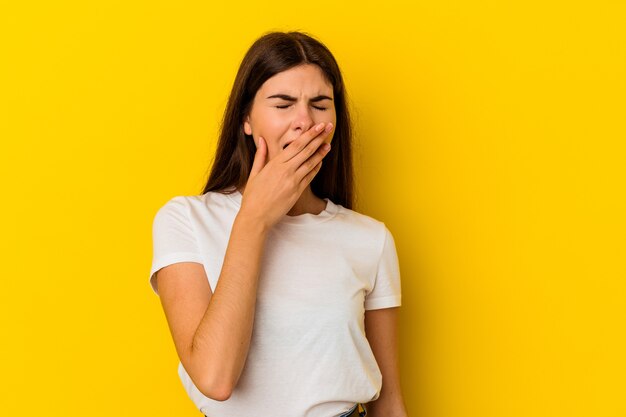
x,y
207,209
174,207
367,227
358,219
172,215
191,203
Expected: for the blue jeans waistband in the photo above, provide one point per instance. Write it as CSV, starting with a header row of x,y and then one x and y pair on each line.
x,y
357,411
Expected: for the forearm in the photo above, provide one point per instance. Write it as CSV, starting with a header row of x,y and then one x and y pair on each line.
x,y
222,340
390,403
381,328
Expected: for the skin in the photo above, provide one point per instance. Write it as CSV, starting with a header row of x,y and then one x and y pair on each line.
x,y
279,183
381,328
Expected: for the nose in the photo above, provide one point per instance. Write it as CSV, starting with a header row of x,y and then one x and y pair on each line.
x,y
303,118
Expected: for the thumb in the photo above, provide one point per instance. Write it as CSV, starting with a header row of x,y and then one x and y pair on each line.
x,y
259,157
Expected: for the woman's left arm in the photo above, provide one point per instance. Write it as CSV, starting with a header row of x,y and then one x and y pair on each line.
x,y
381,328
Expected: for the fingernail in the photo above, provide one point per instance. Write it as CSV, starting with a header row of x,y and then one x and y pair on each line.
x,y
319,127
329,127
326,146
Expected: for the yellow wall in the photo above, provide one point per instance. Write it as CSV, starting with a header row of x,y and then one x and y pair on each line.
x,y
490,140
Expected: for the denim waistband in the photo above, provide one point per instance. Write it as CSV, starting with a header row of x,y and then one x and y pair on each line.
x,y
357,411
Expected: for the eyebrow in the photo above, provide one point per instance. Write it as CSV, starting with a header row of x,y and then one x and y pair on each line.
x,y
289,98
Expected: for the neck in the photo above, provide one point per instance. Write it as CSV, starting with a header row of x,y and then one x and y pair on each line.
x,y
307,203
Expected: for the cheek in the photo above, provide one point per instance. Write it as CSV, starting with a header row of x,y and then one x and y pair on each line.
x,y
267,123
275,126
271,126
332,117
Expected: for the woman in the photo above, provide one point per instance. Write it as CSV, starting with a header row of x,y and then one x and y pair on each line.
x,y
281,300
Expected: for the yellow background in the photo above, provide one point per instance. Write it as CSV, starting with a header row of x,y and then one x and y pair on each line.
x,y
490,140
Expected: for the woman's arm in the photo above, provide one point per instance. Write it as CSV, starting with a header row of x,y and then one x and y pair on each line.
x,y
212,339
381,328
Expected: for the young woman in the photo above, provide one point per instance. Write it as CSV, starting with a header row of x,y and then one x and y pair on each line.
x,y
281,300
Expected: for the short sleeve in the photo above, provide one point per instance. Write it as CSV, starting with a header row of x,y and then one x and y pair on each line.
x,y
387,288
173,238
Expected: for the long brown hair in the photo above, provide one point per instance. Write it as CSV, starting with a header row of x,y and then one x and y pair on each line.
x,y
272,53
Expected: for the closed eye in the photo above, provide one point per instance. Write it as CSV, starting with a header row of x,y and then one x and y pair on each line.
x,y
287,105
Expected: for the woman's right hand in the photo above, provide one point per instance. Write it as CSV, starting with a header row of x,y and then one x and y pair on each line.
x,y
274,187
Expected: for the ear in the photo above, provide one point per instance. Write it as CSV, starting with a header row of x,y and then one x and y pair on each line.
x,y
247,128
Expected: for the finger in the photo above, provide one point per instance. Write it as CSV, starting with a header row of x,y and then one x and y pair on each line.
x,y
310,149
310,164
297,145
259,158
306,180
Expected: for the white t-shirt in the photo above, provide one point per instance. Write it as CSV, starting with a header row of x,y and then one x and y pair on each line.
x,y
308,356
